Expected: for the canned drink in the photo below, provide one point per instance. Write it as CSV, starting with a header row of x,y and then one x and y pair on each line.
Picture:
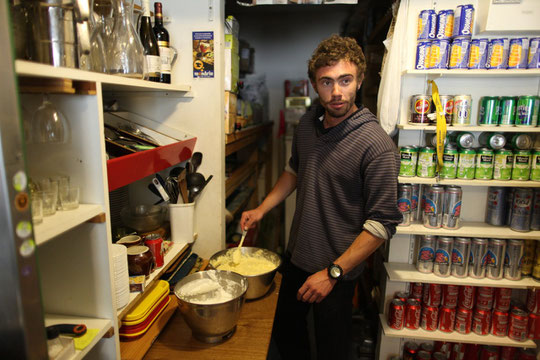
x,y
533,60
409,158
496,205
447,103
427,347
427,25
429,318
502,167
533,300
450,296
499,323
432,295
466,164
521,169
444,347
420,108
478,53
423,355
484,297
527,261
463,20
484,164
489,352
445,24
404,203
481,321
489,111
416,290
452,207
509,204
410,349
461,114
508,105
442,266
424,192
447,319
533,327
426,253
414,201
501,299
450,162
495,259
466,297
155,244
423,51
463,321
459,53
396,314
508,353
497,54
492,140
535,166
412,314
463,139
439,53
401,295
520,141
522,209
517,329
527,354
518,53
433,207
427,162
536,264
460,257
432,141
527,111
477,258
458,351
535,216
512,259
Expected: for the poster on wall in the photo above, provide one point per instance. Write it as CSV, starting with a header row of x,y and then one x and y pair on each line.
x,y
203,54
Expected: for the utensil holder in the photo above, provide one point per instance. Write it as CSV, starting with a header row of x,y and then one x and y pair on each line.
x,y
182,217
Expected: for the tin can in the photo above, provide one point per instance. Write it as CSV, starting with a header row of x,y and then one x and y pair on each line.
x,y
424,191
450,162
416,290
433,207
155,244
526,354
423,52
443,256
489,112
502,167
501,299
396,314
412,314
445,24
463,139
450,295
439,54
420,108
473,351
463,321
447,103
492,140
432,295
430,317
489,352
533,300
426,253
508,105
478,53
535,165
522,209
527,261
466,297
477,258
427,347
466,164
499,323
447,319
452,207
535,216
533,60
533,327
409,159
495,259
458,351
459,53
520,141
410,349
461,114
527,111
432,140
414,201
401,295
497,54
508,353
404,203
484,298
518,53
481,321
484,164
444,347
496,205
509,204
427,25
463,20
512,259
521,169
460,257
517,329
423,355
427,162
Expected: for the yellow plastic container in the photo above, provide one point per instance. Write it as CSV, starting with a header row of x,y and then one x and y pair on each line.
x,y
149,301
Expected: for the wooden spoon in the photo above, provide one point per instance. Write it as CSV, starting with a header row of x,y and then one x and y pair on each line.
x,y
182,185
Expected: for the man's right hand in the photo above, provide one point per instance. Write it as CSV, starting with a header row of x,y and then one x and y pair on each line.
x,y
250,218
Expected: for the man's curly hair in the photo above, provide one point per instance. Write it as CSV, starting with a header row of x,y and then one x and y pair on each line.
x,y
333,49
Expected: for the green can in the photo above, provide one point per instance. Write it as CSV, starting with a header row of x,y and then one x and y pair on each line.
x,y
450,162
502,168
463,139
535,165
489,111
484,164
520,141
527,111
409,158
427,160
522,165
508,106
466,164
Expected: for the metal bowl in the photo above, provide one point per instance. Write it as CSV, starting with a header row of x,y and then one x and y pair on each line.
x,y
258,284
213,323
143,218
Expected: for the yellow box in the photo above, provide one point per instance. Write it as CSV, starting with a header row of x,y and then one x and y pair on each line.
x,y
232,70
230,112
232,42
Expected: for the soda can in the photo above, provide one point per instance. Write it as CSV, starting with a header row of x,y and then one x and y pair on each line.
x,y
450,162
478,53
501,299
502,167
420,108
518,53
535,216
439,53
508,353
463,20
452,207
533,60
443,256
527,262
425,188
432,295
527,111
492,140
429,318
443,347
477,258
533,327
489,352
533,300
512,259
447,319
410,349
526,354
450,295
427,347
508,105
458,351
408,162
426,253
445,24
447,103
396,314
466,164
401,295
509,205
427,25
496,205
520,141
481,321
522,209
536,264
461,114
484,298
459,53
412,314
423,51
473,351
517,328
499,323
404,203
535,165
460,257
463,321
416,290
489,112
427,162
414,201
466,297
484,164
463,139
495,259
155,244
433,207
497,54
423,355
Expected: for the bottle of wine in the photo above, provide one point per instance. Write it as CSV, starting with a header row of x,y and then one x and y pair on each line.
x,y
151,49
162,36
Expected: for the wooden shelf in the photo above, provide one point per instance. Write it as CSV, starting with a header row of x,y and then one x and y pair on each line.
x,y
246,137
431,128
238,177
474,73
402,272
462,182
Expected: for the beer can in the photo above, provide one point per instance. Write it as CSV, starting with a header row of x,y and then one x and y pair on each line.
x,y
463,20
463,321
414,201
445,24
477,258
497,54
460,257
423,52
489,112
496,205
508,105
466,297
535,165
533,300
481,321
447,103
512,259
426,253
433,207
424,191
416,290
438,55
427,25
522,209
517,329
447,319
502,167
533,327
429,318
396,314
527,262
478,53
527,111
412,314
409,159
533,60
463,139
466,164
442,266
509,205
427,162
499,323
518,53
461,114
404,203
432,295
535,216
501,299
459,53
450,162
450,296
452,207
495,259
410,349
420,108
484,164
520,141
492,140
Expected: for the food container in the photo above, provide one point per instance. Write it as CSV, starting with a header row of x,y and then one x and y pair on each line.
x,y
143,218
140,260
130,240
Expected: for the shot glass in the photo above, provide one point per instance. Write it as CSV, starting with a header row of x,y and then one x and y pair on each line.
x,y
69,198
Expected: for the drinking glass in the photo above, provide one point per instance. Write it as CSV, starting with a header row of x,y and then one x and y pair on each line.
x,y
69,198
49,198
49,125
36,207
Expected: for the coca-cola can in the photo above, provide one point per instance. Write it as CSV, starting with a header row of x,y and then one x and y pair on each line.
x,y
427,347
499,323
481,321
517,328
155,244
533,327
416,290
444,347
450,296
526,354
489,352
401,295
432,294
463,321
429,318
458,351
396,314
466,296
501,299
484,298
473,350
410,349
507,353
412,314
447,319
439,356
533,300
423,355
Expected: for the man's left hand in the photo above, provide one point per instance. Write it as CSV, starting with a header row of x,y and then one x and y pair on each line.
x,y
316,287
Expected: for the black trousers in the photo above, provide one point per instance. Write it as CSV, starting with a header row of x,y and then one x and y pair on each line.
x,y
332,319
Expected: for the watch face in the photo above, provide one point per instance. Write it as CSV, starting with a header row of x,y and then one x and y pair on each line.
x,y
335,272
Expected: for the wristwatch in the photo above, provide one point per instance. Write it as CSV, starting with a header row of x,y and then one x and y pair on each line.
x,y
335,272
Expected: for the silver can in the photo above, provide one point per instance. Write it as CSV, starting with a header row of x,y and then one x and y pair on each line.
x,y
433,207
426,253
461,114
477,258
496,205
509,205
495,259
522,209
423,193
404,203
452,207
535,217
512,259
460,257
414,201
442,265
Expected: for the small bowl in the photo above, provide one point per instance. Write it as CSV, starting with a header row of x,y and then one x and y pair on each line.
x,y
143,218
130,240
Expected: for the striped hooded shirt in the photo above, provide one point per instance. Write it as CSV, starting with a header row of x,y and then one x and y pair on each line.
x,y
345,177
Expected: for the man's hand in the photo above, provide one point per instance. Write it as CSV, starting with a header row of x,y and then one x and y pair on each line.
x,y
316,287
250,218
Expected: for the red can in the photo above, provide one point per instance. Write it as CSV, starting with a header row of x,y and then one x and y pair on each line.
x,y
401,295
517,328
486,290
499,323
484,298
533,300
412,314
396,314
463,321
473,350
518,305
508,353
526,354
444,347
432,295
481,321
458,351
489,353
533,327
447,319
427,347
466,297
155,243
501,299
416,290
410,349
430,315
450,296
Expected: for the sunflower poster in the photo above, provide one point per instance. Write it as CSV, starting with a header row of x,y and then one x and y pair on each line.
x,y
203,54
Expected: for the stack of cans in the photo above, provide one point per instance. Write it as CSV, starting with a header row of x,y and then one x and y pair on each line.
x,y
442,206
533,307
519,111
518,208
460,351
408,195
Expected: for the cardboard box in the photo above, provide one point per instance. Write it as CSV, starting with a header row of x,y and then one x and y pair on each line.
x,y
232,70
230,112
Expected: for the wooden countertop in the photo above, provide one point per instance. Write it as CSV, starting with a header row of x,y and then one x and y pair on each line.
x,y
250,341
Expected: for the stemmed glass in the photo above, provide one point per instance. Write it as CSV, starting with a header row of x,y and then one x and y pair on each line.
x,y
49,125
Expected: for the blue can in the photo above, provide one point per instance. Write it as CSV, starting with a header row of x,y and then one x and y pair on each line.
x,y
518,52
427,25
445,24
463,20
438,57
459,53
478,53
423,49
497,54
533,61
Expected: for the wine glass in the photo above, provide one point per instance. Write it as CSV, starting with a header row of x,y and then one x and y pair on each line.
x,y
49,125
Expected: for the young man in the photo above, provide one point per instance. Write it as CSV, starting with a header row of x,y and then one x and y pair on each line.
x,y
344,168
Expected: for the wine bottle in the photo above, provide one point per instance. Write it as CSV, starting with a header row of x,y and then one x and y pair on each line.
x,y
162,36
149,42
